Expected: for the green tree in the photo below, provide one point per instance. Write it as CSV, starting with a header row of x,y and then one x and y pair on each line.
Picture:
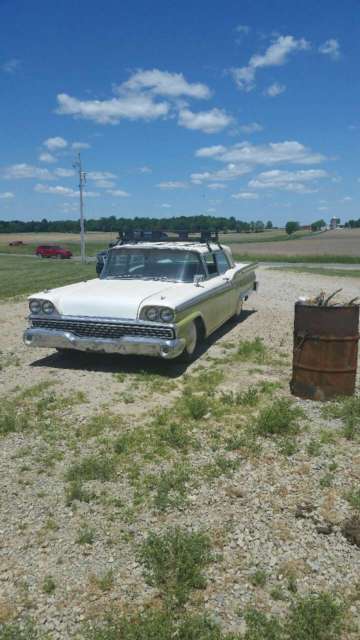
x,y
269,224
291,227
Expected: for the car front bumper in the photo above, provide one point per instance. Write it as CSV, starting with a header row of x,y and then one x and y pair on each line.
x,y
126,345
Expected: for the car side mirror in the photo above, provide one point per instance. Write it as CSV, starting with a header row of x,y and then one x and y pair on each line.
x,y
199,277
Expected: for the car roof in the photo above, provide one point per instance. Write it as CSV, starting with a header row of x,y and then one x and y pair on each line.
x,y
199,247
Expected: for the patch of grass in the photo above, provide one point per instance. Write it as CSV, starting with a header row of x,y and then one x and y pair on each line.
x,y
157,625
13,418
75,491
21,276
261,627
313,448
348,410
94,467
317,258
258,578
105,582
49,585
173,562
176,436
333,273
244,440
288,446
206,381
86,535
221,466
170,487
315,617
20,631
193,406
279,418
353,498
252,350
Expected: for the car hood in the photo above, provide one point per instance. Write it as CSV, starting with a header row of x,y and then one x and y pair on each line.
x,y
110,298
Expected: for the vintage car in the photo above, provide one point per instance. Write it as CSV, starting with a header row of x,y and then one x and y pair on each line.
x,y
152,298
52,251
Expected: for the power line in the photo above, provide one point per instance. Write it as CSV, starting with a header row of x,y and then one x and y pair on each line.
x,y
82,180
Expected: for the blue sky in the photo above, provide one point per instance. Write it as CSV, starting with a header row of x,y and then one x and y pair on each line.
x,y
239,108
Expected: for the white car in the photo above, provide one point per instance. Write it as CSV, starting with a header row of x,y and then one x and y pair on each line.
x,y
152,298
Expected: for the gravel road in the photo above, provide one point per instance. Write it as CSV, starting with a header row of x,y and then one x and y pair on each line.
x,y
254,514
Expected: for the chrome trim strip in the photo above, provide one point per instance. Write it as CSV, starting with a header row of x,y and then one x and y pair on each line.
x,y
127,345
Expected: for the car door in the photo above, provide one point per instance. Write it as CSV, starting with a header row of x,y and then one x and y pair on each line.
x,y
218,303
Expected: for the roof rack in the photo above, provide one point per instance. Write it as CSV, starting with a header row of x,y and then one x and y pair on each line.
x,y
203,236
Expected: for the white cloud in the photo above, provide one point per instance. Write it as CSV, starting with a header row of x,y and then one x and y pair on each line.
x,y
207,121
210,152
7,195
10,66
118,193
323,208
272,153
131,107
165,205
275,89
100,175
172,184
145,169
243,28
164,83
23,170
217,185
64,173
245,195
78,146
59,190
276,54
346,199
331,48
295,181
230,172
252,127
47,157
53,144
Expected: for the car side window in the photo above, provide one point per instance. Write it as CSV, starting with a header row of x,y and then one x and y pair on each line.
x,y
211,265
222,262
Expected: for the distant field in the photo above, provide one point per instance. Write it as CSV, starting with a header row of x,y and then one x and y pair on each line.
x,y
25,276
94,241
344,243
321,271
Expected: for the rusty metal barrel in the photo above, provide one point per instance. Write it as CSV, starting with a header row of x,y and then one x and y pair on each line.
x,y
325,351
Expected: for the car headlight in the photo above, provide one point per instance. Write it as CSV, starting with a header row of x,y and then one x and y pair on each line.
x,y
167,315
48,307
152,314
35,306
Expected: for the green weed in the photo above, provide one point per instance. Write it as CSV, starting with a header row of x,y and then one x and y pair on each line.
x,y
173,562
353,498
279,418
49,585
100,467
86,535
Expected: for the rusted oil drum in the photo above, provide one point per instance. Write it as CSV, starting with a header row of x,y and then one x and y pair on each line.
x,y
325,351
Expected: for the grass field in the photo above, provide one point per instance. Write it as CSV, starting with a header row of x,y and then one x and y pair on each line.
x,y
332,273
25,276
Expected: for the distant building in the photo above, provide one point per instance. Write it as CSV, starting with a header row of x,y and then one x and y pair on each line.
x,y
334,223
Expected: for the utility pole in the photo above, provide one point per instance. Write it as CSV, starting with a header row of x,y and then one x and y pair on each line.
x,y
82,180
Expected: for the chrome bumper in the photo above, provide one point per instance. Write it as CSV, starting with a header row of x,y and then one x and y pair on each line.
x,y
127,345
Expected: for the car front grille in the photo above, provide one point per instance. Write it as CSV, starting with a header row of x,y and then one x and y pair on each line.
x,y
110,330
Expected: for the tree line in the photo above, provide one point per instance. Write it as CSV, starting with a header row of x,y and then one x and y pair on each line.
x,y
111,223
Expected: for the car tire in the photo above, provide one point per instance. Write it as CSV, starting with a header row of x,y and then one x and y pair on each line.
x,y
193,339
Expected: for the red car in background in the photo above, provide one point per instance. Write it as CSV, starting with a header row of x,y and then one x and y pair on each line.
x,y
52,251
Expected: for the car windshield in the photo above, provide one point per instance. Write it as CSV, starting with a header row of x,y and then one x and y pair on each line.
x,y
153,264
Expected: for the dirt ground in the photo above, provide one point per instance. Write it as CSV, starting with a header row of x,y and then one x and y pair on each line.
x,y
249,509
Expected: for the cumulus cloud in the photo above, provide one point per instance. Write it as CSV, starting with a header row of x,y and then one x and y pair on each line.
x,y
172,184
331,48
100,175
10,66
78,146
164,83
64,173
7,195
207,121
245,195
230,172
296,181
165,205
252,127
275,89
272,153
129,107
217,185
23,170
56,143
276,54
145,169
59,190
47,157
118,193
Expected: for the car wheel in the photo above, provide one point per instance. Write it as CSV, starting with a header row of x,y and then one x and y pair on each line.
x,y
192,343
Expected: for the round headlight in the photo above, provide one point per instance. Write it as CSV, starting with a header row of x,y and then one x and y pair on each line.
x,y
152,314
48,307
167,315
35,306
